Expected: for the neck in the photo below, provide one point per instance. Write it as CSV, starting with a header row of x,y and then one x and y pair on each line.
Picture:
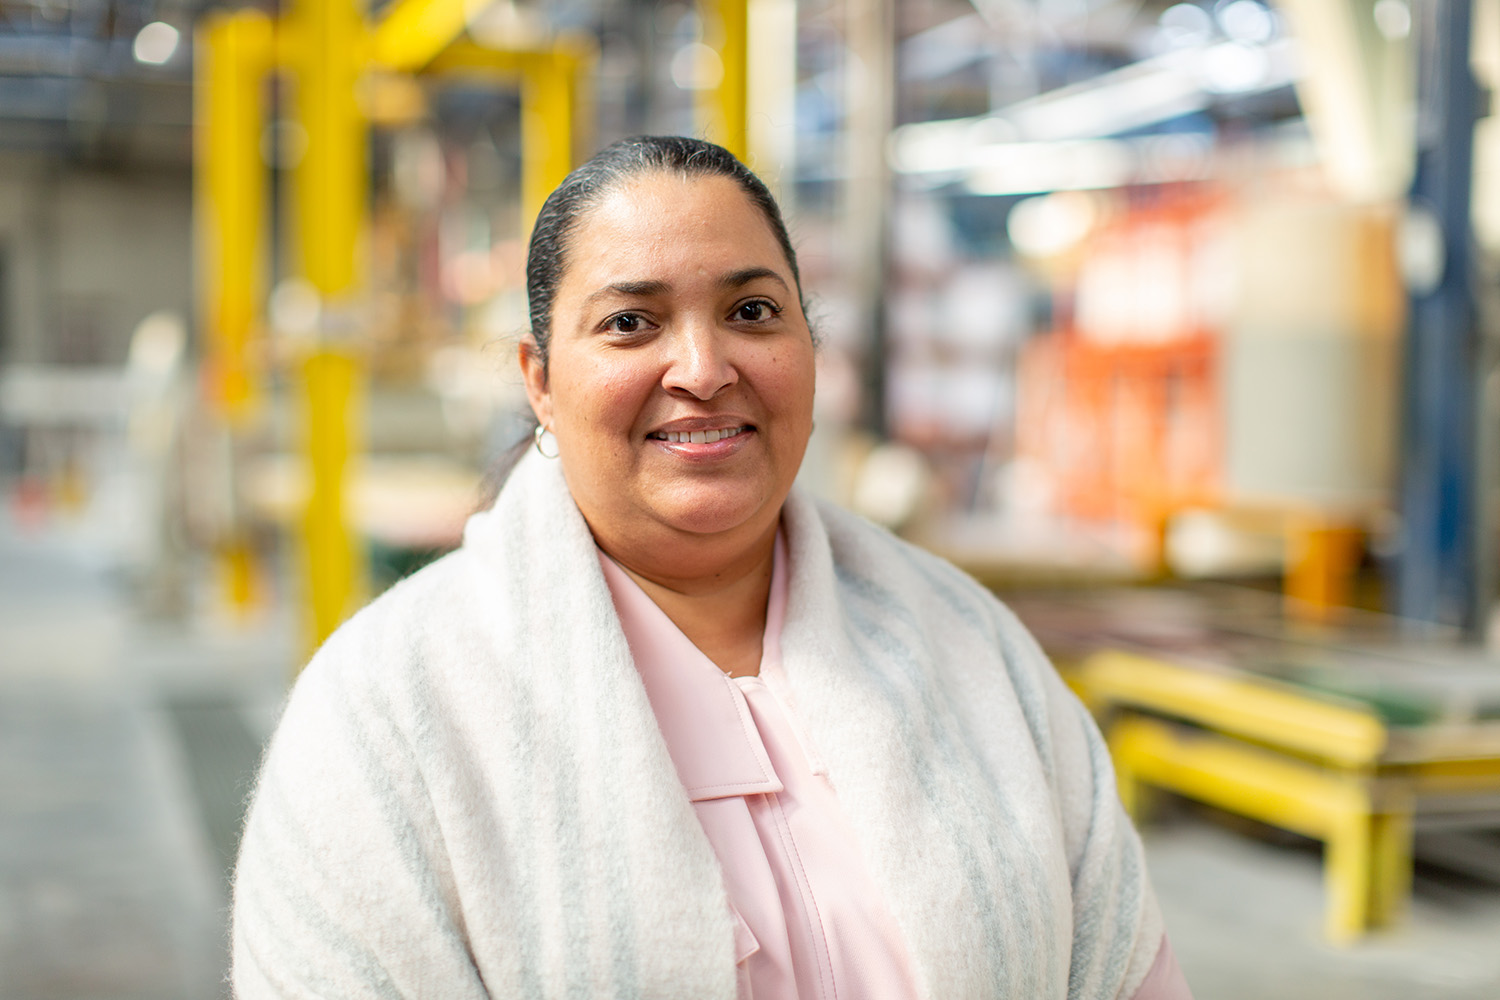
x,y
722,609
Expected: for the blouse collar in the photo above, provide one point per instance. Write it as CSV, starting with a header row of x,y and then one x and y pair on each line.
x,y
702,712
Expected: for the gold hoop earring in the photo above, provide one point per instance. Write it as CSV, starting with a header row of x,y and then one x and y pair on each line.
x,y
537,440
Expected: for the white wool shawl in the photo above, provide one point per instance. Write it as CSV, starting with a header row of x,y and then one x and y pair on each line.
x,y
468,794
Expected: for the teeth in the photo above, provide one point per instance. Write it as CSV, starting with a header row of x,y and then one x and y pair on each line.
x,y
699,437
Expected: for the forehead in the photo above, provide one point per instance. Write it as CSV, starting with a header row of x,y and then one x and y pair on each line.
x,y
665,226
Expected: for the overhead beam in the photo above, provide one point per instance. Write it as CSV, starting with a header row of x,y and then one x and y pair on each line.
x,y
413,32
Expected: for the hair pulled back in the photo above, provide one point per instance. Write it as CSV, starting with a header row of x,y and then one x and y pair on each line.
x,y
585,187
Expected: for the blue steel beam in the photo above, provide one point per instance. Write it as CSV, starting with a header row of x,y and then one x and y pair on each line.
x,y
1437,570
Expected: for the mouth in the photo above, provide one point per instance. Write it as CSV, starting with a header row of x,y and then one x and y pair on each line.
x,y
710,436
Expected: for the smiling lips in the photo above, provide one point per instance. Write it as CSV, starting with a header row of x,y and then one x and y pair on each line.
x,y
699,437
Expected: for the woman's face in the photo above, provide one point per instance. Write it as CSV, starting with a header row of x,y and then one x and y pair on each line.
x,y
680,371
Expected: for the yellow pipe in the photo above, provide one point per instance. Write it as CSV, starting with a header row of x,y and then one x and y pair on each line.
x,y
1271,787
334,571
329,56
546,131
1249,707
331,178
465,58
412,32
721,110
234,55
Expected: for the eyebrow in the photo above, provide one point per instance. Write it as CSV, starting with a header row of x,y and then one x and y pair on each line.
x,y
632,288
648,287
736,279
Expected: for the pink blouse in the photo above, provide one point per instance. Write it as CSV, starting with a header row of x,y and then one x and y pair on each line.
x,y
809,920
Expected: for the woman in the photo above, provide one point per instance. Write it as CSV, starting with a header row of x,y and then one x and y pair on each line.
x,y
666,727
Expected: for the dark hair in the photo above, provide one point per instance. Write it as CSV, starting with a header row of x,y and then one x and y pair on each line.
x,y
612,166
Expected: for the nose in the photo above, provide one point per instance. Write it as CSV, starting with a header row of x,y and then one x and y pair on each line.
x,y
700,364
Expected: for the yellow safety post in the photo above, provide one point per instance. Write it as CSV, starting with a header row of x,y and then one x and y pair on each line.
x,y
1390,864
329,53
234,53
721,110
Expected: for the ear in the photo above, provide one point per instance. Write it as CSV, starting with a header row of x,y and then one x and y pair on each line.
x,y
536,380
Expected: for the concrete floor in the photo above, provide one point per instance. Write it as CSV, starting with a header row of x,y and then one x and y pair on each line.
x,y
1245,916
124,755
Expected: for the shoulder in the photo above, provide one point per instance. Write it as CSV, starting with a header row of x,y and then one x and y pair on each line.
x,y
977,645
399,658
870,559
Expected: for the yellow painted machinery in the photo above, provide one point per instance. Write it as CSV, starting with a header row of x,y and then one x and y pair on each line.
x,y
332,57
1353,739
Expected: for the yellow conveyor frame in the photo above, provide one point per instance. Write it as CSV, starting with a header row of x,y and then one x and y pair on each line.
x,y
1294,760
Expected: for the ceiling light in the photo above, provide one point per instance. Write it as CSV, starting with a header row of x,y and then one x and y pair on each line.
x,y
1247,21
1184,25
1051,224
1235,68
1393,19
155,43
696,66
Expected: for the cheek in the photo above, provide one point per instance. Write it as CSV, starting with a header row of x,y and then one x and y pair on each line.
x,y
604,398
790,376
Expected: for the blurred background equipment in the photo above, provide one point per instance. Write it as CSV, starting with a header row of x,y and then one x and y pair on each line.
x,y
1173,322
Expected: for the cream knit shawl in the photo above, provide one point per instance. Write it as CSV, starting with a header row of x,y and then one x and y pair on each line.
x,y
468,795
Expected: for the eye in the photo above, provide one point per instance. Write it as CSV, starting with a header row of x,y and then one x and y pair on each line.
x,y
625,323
755,311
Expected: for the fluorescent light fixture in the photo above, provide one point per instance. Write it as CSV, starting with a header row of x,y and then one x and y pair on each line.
x,y
1031,167
1142,94
1058,140
156,43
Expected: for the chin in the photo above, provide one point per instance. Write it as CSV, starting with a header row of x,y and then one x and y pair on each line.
x,y
713,514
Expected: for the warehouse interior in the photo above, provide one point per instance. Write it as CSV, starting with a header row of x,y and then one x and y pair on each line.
x,y
1176,324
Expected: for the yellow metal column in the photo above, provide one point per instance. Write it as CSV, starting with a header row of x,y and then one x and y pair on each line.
x,y
721,110
546,128
234,55
328,55
1347,867
1390,861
